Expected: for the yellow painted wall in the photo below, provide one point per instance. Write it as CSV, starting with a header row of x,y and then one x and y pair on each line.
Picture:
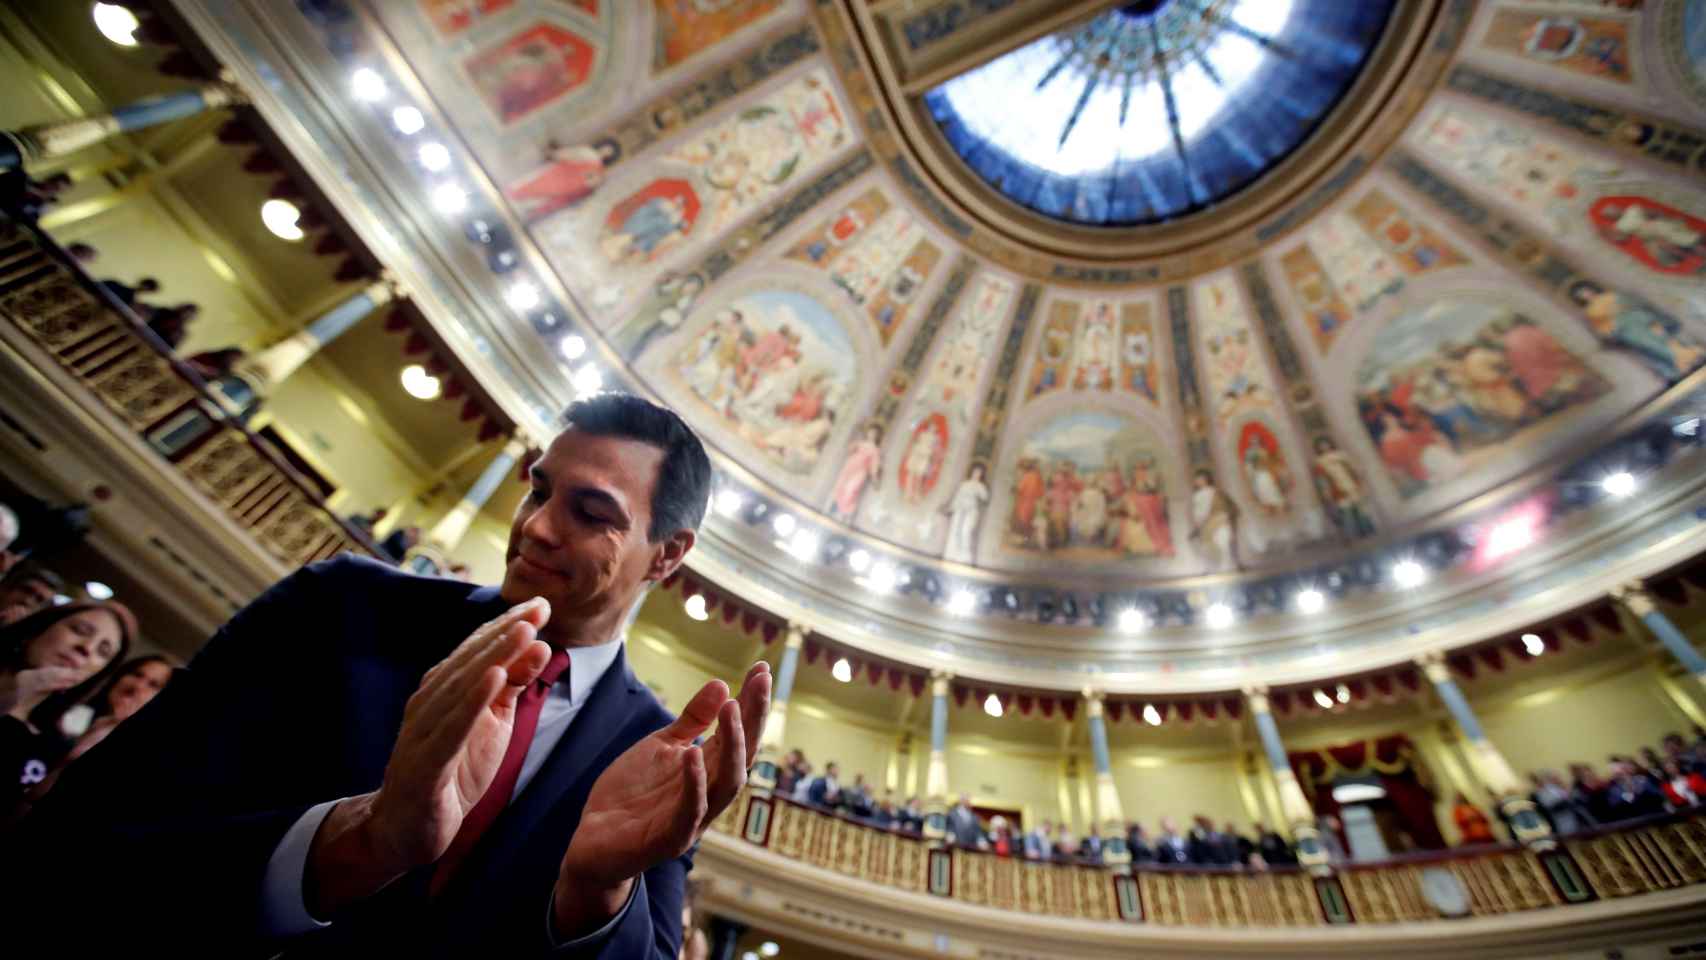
x,y
1155,784
1582,722
998,775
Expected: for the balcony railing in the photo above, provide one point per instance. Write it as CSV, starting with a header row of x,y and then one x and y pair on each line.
x,y
1646,857
106,348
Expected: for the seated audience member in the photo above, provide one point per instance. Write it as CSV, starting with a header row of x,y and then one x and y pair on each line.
x,y
1170,848
911,817
1632,794
50,660
963,827
130,689
1560,805
1037,843
127,294
857,798
1472,824
1238,847
1274,849
1138,844
1681,789
825,791
25,590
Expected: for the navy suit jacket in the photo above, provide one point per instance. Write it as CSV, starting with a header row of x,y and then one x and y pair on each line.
x,y
160,836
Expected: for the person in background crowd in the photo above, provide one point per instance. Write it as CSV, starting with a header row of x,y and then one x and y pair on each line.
x,y
1332,840
1091,848
1590,790
1275,851
83,253
803,784
911,816
857,798
1472,824
127,294
131,688
400,542
1567,812
26,590
1065,844
1036,843
963,828
366,522
1170,848
1138,844
884,815
172,324
1632,794
825,791
1000,836
1238,846
213,365
788,772
1206,844
49,661
1682,789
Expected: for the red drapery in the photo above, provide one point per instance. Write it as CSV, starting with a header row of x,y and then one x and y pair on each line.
x,y
1400,769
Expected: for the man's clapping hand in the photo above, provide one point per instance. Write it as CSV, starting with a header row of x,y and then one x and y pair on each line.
x,y
656,800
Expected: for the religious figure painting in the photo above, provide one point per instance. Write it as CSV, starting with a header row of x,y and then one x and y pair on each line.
x,y
968,345
1545,178
1139,373
1445,388
875,253
921,462
1340,486
1594,46
861,470
1625,322
1215,524
451,17
1087,485
1237,380
1656,235
649,222
683,28
777,367
1267,477
569,175
1415,248
965,515
1094,362
1324,310
530,70
830,238
1054,350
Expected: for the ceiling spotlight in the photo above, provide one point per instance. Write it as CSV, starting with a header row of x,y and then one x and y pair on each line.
x,y
60,599
992,705
449,198
572,346
729,502
881,578
1620,484
1132,620
98,590
783,525
1311,601
587,380
1687,428
1219,616
434,156
407,120
749,955
280,217
1321,698
522,296
366,84
804,545
1151,715
769,948
1342,694
842,671
116,23
420,384
962,602
1533,644
1409,574
695,607
859,560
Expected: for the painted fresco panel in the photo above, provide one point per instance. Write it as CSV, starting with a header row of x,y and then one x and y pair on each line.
x,y
685,28
1543,177
1088,486
1597,47
530,70
875,253
1238,382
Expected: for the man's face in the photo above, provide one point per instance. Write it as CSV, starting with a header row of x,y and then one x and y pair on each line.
x,y
579,538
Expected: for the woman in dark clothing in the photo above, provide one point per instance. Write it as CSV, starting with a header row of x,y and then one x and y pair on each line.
x,y
49,661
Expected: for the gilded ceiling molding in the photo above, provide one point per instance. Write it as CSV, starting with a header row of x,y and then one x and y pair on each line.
x,y
1636,134
900,379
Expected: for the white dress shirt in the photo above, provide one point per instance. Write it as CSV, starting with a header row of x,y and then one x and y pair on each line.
x,y
284,910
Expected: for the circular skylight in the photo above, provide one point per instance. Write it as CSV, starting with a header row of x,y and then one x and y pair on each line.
x,y
1155,109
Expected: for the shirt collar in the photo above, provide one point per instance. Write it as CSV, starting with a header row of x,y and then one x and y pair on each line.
x,y
587,665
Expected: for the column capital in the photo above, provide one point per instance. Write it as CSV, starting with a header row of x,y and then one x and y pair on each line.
x,y
385,289
1634,596
939,680
515,446
1256,695
1433,665
1093,706
796,637
224,92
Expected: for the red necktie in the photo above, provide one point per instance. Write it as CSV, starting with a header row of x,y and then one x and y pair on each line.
x,y
497,796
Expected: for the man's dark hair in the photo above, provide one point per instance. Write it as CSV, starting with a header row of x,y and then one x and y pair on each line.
x,y
25,572
683,487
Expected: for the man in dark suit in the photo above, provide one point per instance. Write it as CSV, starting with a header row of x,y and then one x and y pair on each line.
x,y
963,826
341,773
825,791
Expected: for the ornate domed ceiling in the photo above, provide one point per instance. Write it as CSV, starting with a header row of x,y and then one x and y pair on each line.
x,y
1190,317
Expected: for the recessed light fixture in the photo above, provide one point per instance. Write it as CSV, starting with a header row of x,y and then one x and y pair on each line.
x,y
1151,715
522,296
729,502
859,561
116,23
98,590
695,607
366,84
992,705
1219,616
769,948
962,602
1533,644
1409,574
881,578
1342,694
1620,484
842,670
407,120
1132,620
572,347
587,380
449,198
420,384
1321,698
804,544
280,217
434,156
783,525
1311,601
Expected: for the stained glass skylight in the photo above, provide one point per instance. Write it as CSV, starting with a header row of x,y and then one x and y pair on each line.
x,y
1155,109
